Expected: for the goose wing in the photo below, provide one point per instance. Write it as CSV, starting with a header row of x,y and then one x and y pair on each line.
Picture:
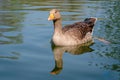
x,y
77,30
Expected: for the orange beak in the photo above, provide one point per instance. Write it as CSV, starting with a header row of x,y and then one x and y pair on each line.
x,y
51,17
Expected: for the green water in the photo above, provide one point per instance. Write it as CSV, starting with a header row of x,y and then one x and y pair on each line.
x,y
25,34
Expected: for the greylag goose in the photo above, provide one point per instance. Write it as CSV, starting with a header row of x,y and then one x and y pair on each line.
x,y
74,34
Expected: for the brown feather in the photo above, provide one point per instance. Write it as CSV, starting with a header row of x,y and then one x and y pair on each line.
x,y
78,29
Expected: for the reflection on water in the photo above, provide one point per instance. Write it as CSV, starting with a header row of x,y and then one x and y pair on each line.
x,y
10,27
75,50
10,5
14,57
24,28
110,26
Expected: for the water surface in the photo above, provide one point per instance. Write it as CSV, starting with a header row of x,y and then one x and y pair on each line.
x,y
25,34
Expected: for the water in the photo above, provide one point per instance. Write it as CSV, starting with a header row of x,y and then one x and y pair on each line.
x,y
25,34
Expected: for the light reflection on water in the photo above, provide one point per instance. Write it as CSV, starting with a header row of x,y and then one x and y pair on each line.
x,y
25,33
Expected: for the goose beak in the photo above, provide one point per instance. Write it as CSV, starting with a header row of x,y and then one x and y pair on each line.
x,y
51,17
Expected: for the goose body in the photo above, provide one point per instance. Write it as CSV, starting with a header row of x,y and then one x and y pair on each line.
x,y
74,34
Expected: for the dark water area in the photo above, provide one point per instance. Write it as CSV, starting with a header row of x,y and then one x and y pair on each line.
x,y
26,52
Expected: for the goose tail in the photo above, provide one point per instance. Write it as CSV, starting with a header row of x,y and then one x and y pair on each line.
x,y
91,22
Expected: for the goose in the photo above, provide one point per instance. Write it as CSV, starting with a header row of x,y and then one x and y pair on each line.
x,y
73,34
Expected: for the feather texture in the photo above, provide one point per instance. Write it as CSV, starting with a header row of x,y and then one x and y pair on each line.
x,y
74,34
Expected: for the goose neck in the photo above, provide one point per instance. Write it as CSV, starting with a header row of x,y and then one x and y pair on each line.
x,y
57,25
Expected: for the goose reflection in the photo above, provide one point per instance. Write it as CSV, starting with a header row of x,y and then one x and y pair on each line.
x,y
75,50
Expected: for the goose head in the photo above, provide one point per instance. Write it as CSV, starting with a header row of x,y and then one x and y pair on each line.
x,y
54,15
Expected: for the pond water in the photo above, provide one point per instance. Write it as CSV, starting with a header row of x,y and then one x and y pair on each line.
x,y
25,34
